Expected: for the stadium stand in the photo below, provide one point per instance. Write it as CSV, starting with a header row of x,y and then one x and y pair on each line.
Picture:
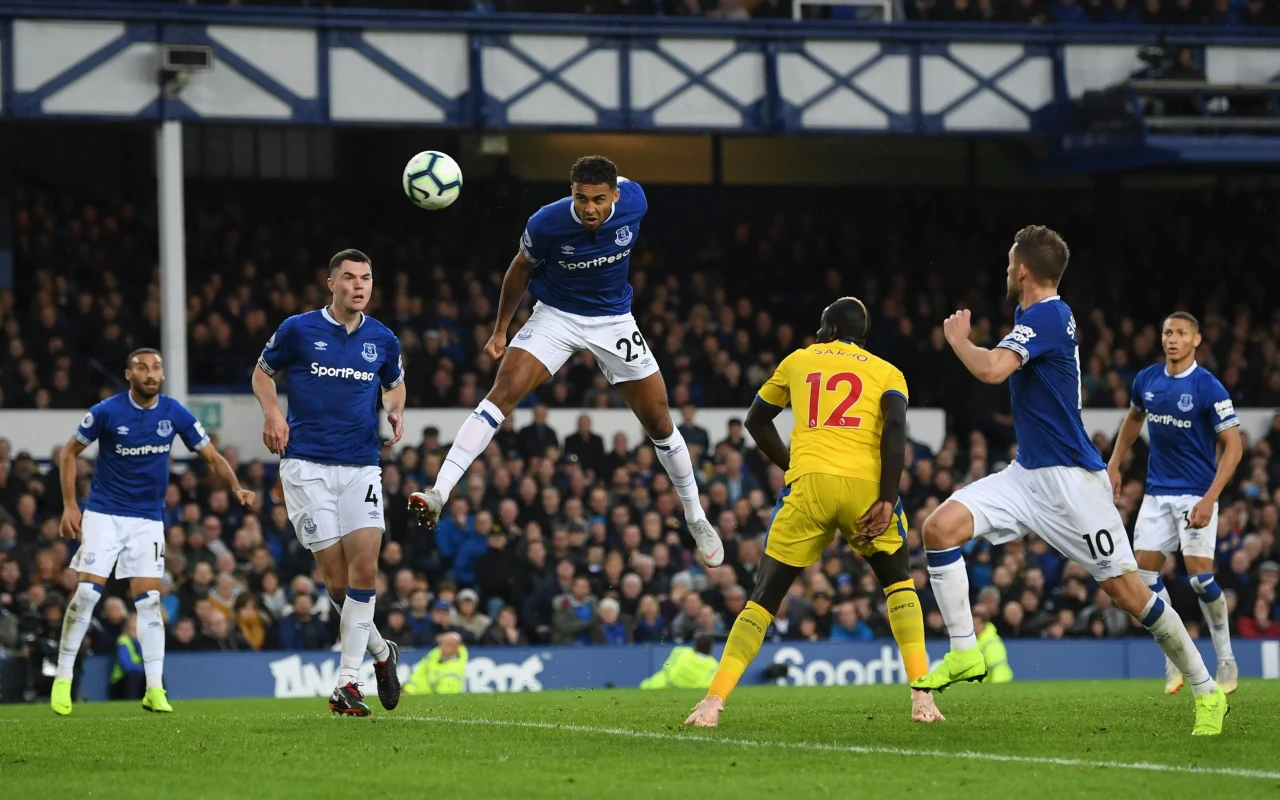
x,y
1063,12
544,507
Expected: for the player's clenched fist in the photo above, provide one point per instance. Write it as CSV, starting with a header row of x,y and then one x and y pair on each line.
x,y
69,527
956,326
497,346
275,433
245,497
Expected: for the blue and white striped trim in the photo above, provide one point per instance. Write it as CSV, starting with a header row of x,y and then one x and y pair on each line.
x,y
267,368
1009,344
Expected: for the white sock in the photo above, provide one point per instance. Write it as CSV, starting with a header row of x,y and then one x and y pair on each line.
x,y
151,637
473,437
1156,584
357,621
950,583
1176,643
75,624
1213,604
377,645
673,454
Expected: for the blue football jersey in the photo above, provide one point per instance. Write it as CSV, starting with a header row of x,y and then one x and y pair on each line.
x,y
1045,392
334,379
132,471
580,271
1185,414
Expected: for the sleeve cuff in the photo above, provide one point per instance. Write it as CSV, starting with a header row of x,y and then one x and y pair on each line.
x,y
1017,348
80,437
394,383
1222,426
200,445
762,401
267,368
899,394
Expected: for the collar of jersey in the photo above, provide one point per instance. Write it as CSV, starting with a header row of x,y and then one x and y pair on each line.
x,y
1182,374
134,403
329,317
574,212
1047,299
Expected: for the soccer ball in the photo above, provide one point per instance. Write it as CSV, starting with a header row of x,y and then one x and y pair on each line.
x,y
432,180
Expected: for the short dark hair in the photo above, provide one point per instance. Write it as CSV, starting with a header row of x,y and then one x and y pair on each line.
x,y
702,643
1189,317
594,169
141,351
849,319
1043,251
350,254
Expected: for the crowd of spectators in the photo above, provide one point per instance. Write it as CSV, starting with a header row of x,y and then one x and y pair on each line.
x,y
1035,12
571,540
710,301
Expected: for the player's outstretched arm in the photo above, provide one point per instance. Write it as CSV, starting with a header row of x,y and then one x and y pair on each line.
x,y
69,527
759,424
893,457
514,284
987,365
1232,450
275,430
1127,435
210,455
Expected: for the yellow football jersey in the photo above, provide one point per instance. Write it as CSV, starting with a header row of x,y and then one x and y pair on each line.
x,y
834,390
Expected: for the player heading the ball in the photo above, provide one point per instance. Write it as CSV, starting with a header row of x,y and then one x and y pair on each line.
x,y
573,258
337,361
122,525
1057,486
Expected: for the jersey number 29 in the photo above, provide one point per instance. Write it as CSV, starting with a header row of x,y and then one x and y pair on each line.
x,y
837,419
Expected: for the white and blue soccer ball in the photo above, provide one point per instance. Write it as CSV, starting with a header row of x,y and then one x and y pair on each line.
x,y
432,180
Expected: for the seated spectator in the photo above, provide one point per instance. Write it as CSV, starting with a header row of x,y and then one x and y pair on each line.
x,y
1261,625
469,619
610,628
301,630
847,627
574,615
253,624
395,628
504,632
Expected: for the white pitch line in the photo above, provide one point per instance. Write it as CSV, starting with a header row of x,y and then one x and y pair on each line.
x,y
965,755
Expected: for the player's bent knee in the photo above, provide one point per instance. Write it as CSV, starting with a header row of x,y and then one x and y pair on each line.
x,y
950,525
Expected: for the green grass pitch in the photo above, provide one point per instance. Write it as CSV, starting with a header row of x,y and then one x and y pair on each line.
x,y
1067,739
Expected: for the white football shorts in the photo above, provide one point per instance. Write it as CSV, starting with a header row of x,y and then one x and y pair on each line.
x,y
552,336
1162,527
326,502
134,546
1069,507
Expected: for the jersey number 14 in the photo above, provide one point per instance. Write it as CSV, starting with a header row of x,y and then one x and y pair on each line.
x,y
837,418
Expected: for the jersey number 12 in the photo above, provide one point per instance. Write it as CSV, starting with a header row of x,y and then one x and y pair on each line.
x,y
837,419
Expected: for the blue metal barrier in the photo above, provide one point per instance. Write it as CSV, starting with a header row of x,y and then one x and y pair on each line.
x,y
339,67
313,673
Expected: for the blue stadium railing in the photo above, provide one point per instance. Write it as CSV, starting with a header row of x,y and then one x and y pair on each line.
x,y
548,72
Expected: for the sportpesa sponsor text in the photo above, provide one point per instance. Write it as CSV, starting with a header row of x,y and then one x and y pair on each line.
x,y
596,262
143,450
350,373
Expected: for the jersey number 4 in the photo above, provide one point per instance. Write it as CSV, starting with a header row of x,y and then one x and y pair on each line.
x,y
837,419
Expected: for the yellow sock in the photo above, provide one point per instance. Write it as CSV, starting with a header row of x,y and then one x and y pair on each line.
x,y
741,649
907,623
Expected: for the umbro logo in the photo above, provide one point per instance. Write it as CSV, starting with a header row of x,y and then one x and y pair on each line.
x,y
1149,395
567,249
123,430
321,345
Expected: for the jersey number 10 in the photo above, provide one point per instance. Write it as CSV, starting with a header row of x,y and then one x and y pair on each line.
x,y
837,418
